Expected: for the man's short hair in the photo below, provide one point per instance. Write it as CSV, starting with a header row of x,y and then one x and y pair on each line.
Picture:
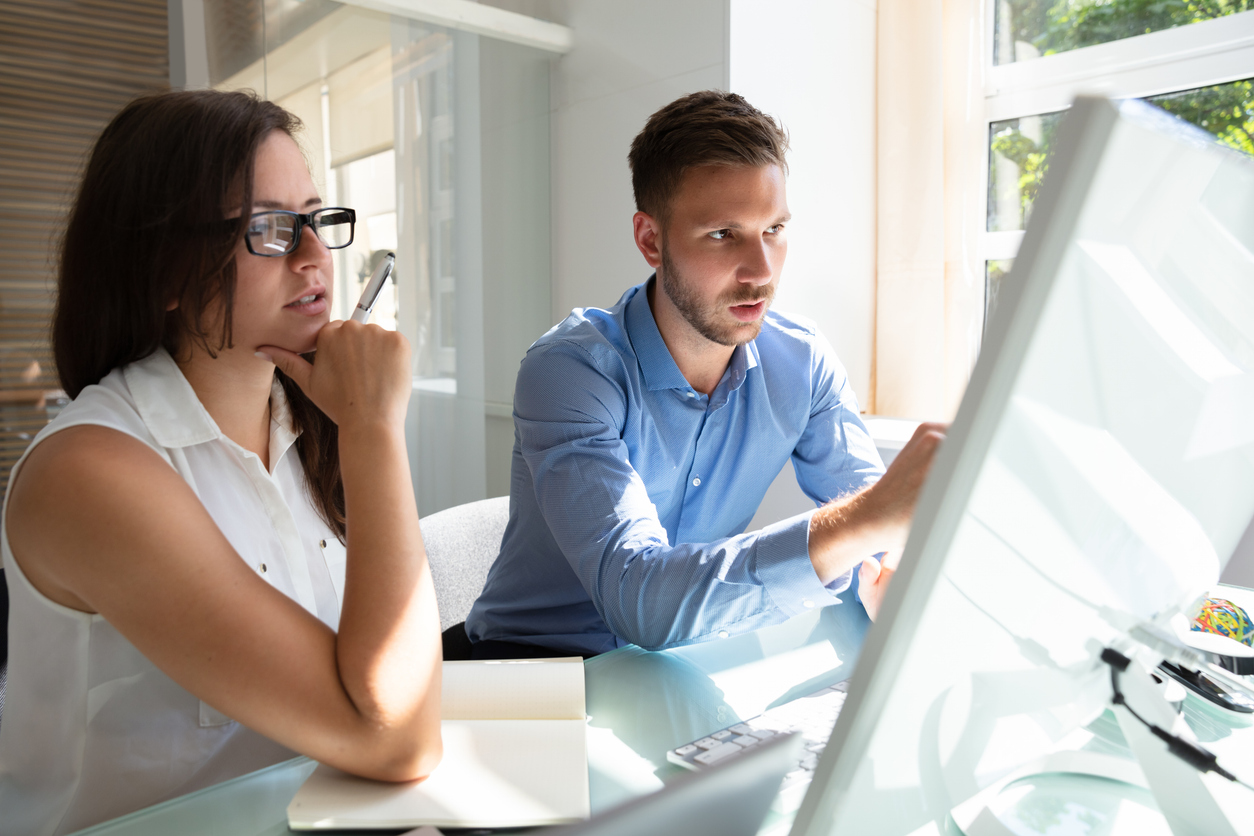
x,y
706,128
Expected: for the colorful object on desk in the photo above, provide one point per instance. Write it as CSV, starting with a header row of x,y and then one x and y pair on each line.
x,y
1224,618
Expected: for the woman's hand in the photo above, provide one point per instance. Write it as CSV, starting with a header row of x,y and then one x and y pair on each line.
x,y
361,372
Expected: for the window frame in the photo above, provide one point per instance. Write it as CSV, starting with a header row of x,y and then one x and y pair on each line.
x,y
1201,54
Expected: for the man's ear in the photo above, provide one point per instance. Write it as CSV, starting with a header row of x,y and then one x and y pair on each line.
x,y
174,303
648,233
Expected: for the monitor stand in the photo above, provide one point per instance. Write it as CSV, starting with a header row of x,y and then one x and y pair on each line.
x,y
1191,804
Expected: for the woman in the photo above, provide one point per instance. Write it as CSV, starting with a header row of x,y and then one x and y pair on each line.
x,y
172,541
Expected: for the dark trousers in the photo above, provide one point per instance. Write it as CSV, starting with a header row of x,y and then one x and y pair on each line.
x,y
514,650
458,646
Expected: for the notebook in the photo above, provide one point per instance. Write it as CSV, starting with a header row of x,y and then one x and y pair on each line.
x,y
515,755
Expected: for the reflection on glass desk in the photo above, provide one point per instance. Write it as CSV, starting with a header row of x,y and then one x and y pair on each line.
x,y
640,704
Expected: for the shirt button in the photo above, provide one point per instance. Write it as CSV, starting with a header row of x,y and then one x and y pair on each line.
x,y
807,604
696,482
322,544
261,568
722,634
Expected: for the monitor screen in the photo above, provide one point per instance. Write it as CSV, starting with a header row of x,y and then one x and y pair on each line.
x,y
1099,474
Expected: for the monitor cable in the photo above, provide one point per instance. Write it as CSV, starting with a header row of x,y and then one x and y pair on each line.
x,y
1198,757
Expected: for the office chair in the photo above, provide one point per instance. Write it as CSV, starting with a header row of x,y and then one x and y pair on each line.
x,y
461,544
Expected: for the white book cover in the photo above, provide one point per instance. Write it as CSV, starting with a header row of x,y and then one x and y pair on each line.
x,y
515,755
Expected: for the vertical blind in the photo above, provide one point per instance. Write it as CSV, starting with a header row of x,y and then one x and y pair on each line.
x,y
66,66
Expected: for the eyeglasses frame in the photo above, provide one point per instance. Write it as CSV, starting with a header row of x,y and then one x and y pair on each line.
x,y
303,220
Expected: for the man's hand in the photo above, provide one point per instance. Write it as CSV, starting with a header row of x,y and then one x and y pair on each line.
x,y
875,520
873,579
893,497
874,575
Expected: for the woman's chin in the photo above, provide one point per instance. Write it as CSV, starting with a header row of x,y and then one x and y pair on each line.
x,y
300,343
302,347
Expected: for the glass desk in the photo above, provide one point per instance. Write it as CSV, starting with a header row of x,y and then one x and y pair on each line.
x,y
640,705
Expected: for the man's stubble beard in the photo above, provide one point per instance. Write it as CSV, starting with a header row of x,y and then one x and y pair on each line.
x,y
704,320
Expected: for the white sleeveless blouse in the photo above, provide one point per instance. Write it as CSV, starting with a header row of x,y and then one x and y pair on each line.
x,y
91,729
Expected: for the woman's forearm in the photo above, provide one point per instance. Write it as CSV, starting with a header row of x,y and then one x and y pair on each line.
x,y
388,645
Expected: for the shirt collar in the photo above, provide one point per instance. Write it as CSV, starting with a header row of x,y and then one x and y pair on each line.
x,y
656,363
167,402
176,417
745,357
282,434
657,366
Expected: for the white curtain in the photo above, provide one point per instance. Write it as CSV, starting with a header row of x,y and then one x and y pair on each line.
x,y
929,287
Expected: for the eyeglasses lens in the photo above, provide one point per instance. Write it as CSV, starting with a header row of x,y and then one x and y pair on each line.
x,y
271,233
335,228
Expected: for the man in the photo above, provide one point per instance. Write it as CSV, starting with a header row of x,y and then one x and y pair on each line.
x,y
647,434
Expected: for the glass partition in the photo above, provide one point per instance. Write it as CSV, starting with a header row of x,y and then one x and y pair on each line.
x,y
440,140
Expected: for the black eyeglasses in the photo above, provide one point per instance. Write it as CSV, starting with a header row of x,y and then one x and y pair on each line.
x,y
277,232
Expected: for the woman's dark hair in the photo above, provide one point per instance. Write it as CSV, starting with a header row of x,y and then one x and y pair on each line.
x,y
147,230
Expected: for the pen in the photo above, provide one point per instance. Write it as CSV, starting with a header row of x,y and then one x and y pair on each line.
x,y
368,296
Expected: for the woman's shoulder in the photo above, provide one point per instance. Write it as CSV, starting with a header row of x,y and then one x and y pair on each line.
x,y
77,478
101,420
101,411
111,403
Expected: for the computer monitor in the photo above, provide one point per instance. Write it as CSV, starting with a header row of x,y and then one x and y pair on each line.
x,y
1098,474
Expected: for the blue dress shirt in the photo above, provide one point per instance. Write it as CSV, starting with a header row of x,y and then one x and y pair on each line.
x,y
630,490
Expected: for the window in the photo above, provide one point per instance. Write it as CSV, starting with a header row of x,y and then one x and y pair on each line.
x,y
1194,58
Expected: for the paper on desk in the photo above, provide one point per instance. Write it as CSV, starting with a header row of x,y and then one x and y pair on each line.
x,y
514,689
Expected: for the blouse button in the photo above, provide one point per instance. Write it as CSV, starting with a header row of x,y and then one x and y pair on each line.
x,y
696,482
261,568
322,544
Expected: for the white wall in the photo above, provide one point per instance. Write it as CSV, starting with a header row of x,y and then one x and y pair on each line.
x,y
811,64
630,58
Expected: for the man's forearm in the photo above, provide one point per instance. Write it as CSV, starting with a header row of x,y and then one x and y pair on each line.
x,y
848,530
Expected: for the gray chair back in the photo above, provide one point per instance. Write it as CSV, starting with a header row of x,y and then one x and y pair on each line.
x,y
461,544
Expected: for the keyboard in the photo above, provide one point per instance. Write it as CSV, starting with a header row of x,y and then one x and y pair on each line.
x,y
811,716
